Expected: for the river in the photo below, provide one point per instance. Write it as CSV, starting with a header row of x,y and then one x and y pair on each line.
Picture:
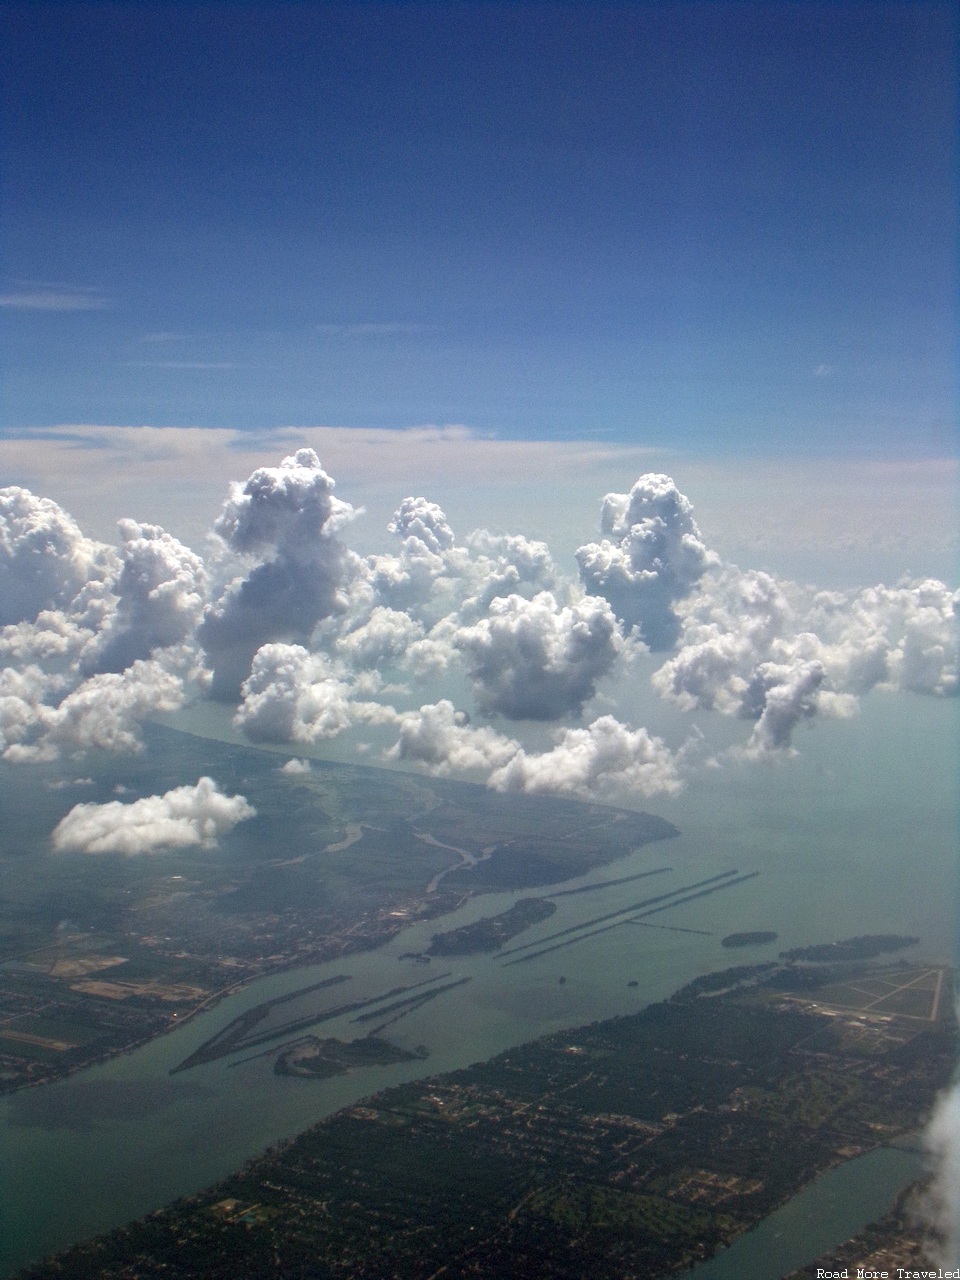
x,y
841,850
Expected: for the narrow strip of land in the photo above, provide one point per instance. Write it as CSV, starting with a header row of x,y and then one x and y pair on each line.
x,y
607,884
239,1038
629,909
425,998
615,924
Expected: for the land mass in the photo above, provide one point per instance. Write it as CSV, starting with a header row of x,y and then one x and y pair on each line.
x,y
100,954
490,933
320,1059
864,947
756,938
630,1148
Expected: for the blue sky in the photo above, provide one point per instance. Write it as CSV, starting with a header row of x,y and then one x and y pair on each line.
x,y
726,228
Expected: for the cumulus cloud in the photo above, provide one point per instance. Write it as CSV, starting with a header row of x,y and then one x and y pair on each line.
x,y
102,713
45,559
606,756
183,817
505,564
425,521
651,555
778,697
532,660
381,640
778,653
52,637
22,693
299,631
440,740
287,520
942,1141
296,766
160,592
292,695
427,553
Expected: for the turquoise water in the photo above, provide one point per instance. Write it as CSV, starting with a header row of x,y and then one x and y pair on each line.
x,y
857,836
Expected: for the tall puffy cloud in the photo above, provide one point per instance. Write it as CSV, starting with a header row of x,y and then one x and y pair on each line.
x,y
181,818
22,693
651,555
160,592
779,697
288,519
426,522
532,660
427,545
299,629
45,559
606,756
433,574
292,696
52,637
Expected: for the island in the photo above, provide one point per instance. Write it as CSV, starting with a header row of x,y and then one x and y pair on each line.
x,y
319,1059
637,1146
864,947
490,933
756,938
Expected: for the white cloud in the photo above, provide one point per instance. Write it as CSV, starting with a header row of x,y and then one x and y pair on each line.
x,y
160,592
779,696
426,541
779,653
102,713
296,766
605,757
53,636
55,298
425,521
292,696
383,639
287,519
439,739
774,513
651,556
532,660
942,1204
181,818
505,565
300,629
22,693
45,559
